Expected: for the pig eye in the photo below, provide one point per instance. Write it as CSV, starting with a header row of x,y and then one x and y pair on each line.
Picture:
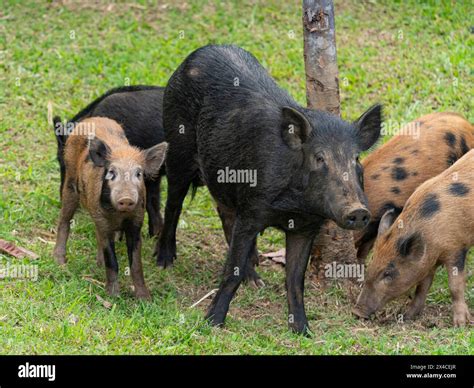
x,y
319,159
138,174
387,276
110,176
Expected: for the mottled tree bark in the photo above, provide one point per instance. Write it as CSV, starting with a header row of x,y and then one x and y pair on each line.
x,y
320,56
322,92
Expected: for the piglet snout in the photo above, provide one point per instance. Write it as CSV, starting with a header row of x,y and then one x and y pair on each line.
x,y
356,219
126,204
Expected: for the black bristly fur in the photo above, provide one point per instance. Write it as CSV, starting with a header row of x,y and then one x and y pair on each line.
x,y
222,109
138,109
132,235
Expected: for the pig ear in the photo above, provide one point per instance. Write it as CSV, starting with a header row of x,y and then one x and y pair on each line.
x,y
369,126
386,221
154,158
295,128
98,152
411,247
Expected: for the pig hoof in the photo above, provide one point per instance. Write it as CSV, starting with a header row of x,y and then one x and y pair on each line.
x,y
411,314
165,261
155,230
143,294
462,317
302,329
459,321
60,259
112,289
100,260
253,279
214,319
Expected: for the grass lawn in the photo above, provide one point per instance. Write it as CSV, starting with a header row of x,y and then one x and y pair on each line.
x,y
414,58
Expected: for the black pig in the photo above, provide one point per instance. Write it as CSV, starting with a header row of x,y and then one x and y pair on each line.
x,y
138,109
265,159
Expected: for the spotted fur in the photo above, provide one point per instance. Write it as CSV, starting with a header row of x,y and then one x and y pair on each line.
x,y
396,169
435,228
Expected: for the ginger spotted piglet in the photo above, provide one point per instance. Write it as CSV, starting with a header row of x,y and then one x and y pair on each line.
x,y
105,174
436,227
423,149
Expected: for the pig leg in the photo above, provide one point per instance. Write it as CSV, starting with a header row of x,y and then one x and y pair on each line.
x,y
251,276
100,252
227,217
69,205
62,171
134,245
298,249
239,253
418,303
178,185
155,221
181,170
457,284
106,243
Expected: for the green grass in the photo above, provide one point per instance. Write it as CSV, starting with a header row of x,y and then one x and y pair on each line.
x,y
414,57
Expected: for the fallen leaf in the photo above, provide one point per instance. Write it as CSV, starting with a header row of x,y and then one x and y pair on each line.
x,y
45,241
277,257
280,252
17,251
104,302
93,281
47,234
267,263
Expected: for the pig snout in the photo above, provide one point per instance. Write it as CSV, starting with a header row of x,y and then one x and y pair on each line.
x,y
361,313
125,197
367,304
126,204
356,218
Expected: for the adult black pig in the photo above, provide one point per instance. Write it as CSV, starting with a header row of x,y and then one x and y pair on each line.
x,y
138,109
264,158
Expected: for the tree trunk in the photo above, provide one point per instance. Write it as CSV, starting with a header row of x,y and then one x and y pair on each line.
x,y
320,56
322,92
